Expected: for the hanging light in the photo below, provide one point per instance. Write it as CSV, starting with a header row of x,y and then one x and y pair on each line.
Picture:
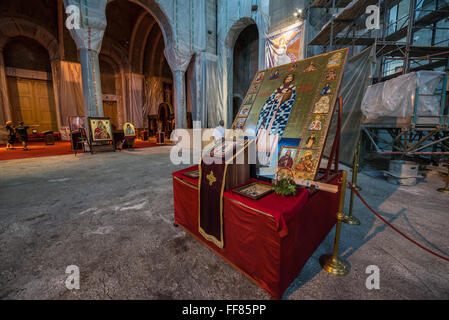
x,y
298,13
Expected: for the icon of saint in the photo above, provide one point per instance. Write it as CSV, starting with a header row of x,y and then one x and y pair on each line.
x,y
322,106
293,67
260,77
310,68
101,132
331,75
274,116
310,142
326,90
335,60
245,111
275,75
129,131
305,163
280,53
316,124
286,161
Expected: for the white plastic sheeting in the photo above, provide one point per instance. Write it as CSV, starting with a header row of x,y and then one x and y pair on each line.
x,y
396,97
203,90
209,90
198,23
135,110
192,89
88,38
71,92
178,59
90,70
233,17
356,78
154,96
5,111
92,23
427,83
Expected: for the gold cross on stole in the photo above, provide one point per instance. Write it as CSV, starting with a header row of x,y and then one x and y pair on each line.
x,y
211,178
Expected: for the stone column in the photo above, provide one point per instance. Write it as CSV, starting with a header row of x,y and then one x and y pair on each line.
x,y
88,37
56,80
179,86
6,115
179,61
90,70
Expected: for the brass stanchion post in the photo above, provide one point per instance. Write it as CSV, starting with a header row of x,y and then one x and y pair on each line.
x,y
349,218
331,262
446,188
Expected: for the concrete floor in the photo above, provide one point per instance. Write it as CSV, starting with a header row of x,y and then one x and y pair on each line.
x,y
111,215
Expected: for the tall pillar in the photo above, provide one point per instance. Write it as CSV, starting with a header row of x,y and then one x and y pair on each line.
x,y
56,80
88,36
180,99
90,70
178,60
4,98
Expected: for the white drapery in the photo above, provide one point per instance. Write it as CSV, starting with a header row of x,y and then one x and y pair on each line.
x,y
154,96
71,91
135,110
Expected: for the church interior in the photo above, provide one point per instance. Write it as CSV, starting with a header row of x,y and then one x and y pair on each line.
x,y
109,110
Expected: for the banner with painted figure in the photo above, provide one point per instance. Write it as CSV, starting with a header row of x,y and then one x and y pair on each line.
x,y
284,46
288,110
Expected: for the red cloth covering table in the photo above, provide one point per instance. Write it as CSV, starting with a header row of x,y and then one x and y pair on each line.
x,y
269,240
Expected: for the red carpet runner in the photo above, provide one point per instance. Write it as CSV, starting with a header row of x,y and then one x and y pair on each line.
x,y
39,149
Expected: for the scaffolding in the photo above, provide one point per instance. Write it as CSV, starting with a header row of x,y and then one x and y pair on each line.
x,y
413,35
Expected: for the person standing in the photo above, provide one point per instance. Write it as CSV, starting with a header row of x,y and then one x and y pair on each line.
x,y
11,135
219,132
23,135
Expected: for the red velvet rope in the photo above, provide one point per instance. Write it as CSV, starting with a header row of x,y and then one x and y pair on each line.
x,y
393,227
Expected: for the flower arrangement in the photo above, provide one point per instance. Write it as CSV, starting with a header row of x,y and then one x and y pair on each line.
x,y
284,185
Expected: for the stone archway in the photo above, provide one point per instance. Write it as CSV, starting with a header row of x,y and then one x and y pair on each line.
x,y
154,18
245,62
165,116
154,8
117,58
12,27
230,40
16,27
178,58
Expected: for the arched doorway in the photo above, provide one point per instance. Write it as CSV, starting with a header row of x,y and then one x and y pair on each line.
x,y
246,61
110,79
236,103
165,118
30,84
138,40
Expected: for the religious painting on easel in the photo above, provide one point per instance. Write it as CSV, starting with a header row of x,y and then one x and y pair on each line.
x,y
100,129
76,123
289,109
129,130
